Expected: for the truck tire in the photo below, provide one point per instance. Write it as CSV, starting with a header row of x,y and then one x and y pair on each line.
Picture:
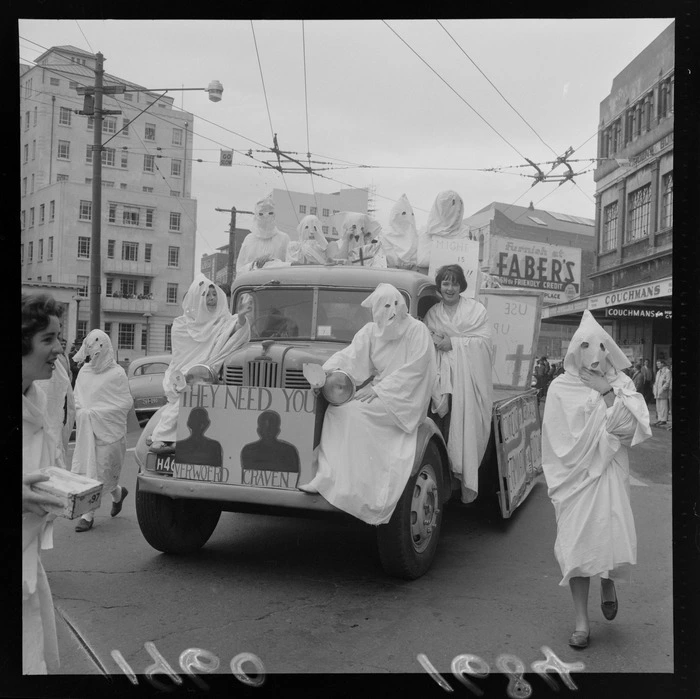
x,y
175,526
407,543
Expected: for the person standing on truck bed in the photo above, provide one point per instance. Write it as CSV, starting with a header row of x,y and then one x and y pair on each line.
x,y
368,445
592,413
310,249
266,245
400,240
206,333
462,335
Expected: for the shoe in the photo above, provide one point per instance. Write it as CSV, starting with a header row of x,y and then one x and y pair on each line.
x,y
609,609
579,639
117,506
84,524
162,448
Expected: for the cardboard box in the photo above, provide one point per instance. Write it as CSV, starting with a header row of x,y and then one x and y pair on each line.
x,y
79,494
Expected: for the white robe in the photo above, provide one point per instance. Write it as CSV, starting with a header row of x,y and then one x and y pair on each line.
x,y
39,640
465,373
255,246
102,402
445,220
584,458
58,391
400,240
367,450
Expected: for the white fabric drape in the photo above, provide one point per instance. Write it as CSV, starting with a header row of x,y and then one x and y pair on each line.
x,y
400,240
264,239
445,220
465,373
360,241
310,249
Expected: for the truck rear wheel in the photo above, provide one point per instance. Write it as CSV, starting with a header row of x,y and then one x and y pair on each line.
x,y
407,543
175,526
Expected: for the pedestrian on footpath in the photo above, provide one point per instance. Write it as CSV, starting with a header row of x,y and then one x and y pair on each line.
x,y
592,413
638,378
648,392
40,348
102,402
662,387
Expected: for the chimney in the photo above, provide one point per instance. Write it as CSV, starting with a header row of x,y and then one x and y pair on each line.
x,y
531,207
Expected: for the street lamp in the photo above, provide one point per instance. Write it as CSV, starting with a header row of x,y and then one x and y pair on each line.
x,y
77,300
147,316
93,106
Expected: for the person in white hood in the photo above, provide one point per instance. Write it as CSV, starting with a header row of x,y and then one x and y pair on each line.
x,y
445,220
368,445
266,245
102,403
310,249
400,241
591,415
359,243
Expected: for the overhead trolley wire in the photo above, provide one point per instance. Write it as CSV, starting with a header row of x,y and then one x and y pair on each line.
x,y
84,37
306,108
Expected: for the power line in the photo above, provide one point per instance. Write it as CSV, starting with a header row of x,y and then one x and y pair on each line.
x,y
84,37
306,108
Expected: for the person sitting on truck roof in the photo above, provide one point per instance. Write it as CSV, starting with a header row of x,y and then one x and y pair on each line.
x,y
592,414
462,335
368,445
310,249
266,245
206,333
400,240
359,243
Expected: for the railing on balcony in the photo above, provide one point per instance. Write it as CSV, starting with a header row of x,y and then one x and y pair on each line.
x,y
134,305
127,267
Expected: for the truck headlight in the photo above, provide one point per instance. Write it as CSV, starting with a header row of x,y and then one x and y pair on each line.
x,y
199,373
339,388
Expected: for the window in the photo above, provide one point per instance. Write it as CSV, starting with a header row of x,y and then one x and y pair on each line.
x,y
36,114
38,278
666,97
177,137
130,251
144,337
174,224
31,189
26,121
147,288
72,84
148,249
28,88
21,248
55,82
125,339
326,212
313,210
61,178
149,163
124,160
108,328
30,251
108,183
173,256
109,124
629,124
108,158
122,185
23,218
149,218
648,111
24,186
638,208
110,249
31,217
171,293
42,213
302,208
63,150
148,190
128,97
52,210
25,150
81,330
168,345
112,215
34,149
85,213
84,284
130,216
176,168
49,277
325,230
174,193
40,251
127,287
667,200
109,283
49,253
150,132
336,211
64,116
83,247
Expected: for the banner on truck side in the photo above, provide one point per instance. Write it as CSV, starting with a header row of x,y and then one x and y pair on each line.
x,y
457,251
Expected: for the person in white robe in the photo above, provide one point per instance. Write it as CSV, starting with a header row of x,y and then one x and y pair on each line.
x,y
461,332
102,403
311,247
359,243
40,350
400,241
368,445
206,333
445,220
592,414
266,245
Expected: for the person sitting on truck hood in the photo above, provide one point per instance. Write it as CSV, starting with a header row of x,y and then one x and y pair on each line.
x,y
206,333
445,220
310,249
266,245
462,335
359,243
591,415
400,240
368,445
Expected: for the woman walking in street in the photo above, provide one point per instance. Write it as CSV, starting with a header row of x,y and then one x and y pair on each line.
x,y
102,403
592,413
662,386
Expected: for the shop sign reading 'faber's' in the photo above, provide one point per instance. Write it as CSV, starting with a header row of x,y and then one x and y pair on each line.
x,y
245,435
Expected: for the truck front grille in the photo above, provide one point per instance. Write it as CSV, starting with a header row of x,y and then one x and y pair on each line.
x,y
233,375
294,378
263,373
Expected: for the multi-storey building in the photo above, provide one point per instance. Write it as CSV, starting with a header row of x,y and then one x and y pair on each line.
x,y
148,215
631,292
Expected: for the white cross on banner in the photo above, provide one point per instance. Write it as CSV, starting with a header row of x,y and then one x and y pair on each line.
x,y
226,158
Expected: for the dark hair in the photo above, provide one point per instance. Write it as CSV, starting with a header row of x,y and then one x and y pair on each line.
x,y
36,312
451,271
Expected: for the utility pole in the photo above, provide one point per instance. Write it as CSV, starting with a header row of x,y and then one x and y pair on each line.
x,y
231,243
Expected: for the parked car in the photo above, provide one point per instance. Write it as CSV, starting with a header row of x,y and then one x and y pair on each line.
x,y
145,376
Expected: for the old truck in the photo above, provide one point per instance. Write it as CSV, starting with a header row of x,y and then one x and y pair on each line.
x,y
302,315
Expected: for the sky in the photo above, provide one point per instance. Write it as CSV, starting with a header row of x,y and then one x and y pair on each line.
x,y
359,92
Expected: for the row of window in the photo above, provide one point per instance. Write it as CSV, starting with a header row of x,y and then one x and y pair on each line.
x,y
313,210
126,335
129,251
638,118
127,288
638,215
42,214
40,250
129,215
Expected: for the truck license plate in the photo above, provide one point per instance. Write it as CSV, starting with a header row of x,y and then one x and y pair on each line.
x,y
164,463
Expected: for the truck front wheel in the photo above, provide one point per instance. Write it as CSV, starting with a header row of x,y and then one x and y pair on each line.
x,y
175,526
407,543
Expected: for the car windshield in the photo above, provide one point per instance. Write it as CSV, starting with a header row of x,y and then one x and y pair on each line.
x,y
290,313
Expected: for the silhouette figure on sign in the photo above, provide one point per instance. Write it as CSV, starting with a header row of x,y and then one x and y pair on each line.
x,y
198,449
270,453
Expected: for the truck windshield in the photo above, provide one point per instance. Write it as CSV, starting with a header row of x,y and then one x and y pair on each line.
x,y
290,313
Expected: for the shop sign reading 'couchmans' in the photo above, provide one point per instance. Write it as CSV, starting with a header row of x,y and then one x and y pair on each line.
x,y
638,312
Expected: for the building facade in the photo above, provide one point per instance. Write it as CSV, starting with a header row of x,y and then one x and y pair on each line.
x,y
148,218
215,266
632,282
